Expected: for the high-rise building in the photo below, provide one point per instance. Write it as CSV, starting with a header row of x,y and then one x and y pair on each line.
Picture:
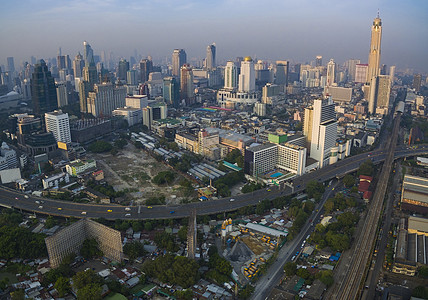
x,y
64,62
318,61
179,58
230,76
63,91
105,98
417,81
374,54
132,77
58,123
281,76
210,60
351,65
361,73
10,65
383,69
43,91
122,69
88,53
146,67
331,72
321,130
392,74
78,65
380,89
186,84
171,92
247,79
90,74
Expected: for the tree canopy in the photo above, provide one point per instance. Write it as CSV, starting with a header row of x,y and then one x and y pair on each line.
x,y
100,146
90,249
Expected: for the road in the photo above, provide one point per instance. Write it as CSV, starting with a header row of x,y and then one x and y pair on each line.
x,y
274,273
12,198
350,287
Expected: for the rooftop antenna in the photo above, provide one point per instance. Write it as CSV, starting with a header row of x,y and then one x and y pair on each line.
x,y
378,14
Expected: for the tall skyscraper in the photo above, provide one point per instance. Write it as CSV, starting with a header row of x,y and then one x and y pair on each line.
x,y
361,73
392,74
10,65
417,81
331,72
210,60
281,76
90,74
380,89
63,93
57,122
374,54
105,98
230,76
78,65
351,65
122,69
247,79
43,91
88,53
318,61
171,92
146,67
132,77
179,58
320,127
186,84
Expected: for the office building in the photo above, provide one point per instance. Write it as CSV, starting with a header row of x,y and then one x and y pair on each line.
x,y
122,69
63,93
210,63
88,53
137,101
380,89
8,159
179,58
331,73
10,65
392,74
90,74
43,90
318,61
417,81
281,75
230,76
186,84
247,79
320,128
133,116
171,92
105,99
260,109
351,66
361,73
338,94
78,65
57,122
146,67
132,77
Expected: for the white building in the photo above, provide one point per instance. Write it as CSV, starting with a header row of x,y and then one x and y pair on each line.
x,y
54,180
78,166
137,101
230,76
338,94
8,158
105,99
63,90
260,109
320,127
57,122
247,78
132,115
331,72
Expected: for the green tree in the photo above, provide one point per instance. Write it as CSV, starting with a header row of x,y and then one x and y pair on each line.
x,y
163,177
90,249
50,222
182,233
62,285
120,143
18,295
348,180
326,277
184,294
100,146
134,249
304,273
366,168
90,291
314,189
246,292
420,292
423,272
290,268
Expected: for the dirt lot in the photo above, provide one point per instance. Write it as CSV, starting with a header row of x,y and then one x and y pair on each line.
x,y
133,169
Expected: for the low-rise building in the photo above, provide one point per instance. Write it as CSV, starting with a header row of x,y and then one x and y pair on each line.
x,y
78,166
55,180
414,196
132,115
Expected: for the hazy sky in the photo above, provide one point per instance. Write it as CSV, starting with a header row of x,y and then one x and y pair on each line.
x,y
269,29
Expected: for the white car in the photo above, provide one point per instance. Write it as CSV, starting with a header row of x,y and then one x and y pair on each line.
x,y
127,215
40,206
127,209
231,200
26,196
83,212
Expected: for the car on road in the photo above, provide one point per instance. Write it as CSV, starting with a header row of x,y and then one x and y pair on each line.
x,y
26,196
127,215
83,212
293,257
231,200
109,210
149,207
40,206
268,190
38,202
16,198
172,211
59,208
127,209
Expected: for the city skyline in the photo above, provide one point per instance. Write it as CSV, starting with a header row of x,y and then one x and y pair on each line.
x,y
276,30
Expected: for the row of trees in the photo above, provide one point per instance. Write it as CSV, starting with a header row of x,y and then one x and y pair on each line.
x,y
224,184
326,277
164,177
339,202
220,268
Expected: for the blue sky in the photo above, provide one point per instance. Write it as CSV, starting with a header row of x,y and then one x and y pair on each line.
x,y
270,29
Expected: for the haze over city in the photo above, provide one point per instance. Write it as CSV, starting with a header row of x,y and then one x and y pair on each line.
x,y
296,31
